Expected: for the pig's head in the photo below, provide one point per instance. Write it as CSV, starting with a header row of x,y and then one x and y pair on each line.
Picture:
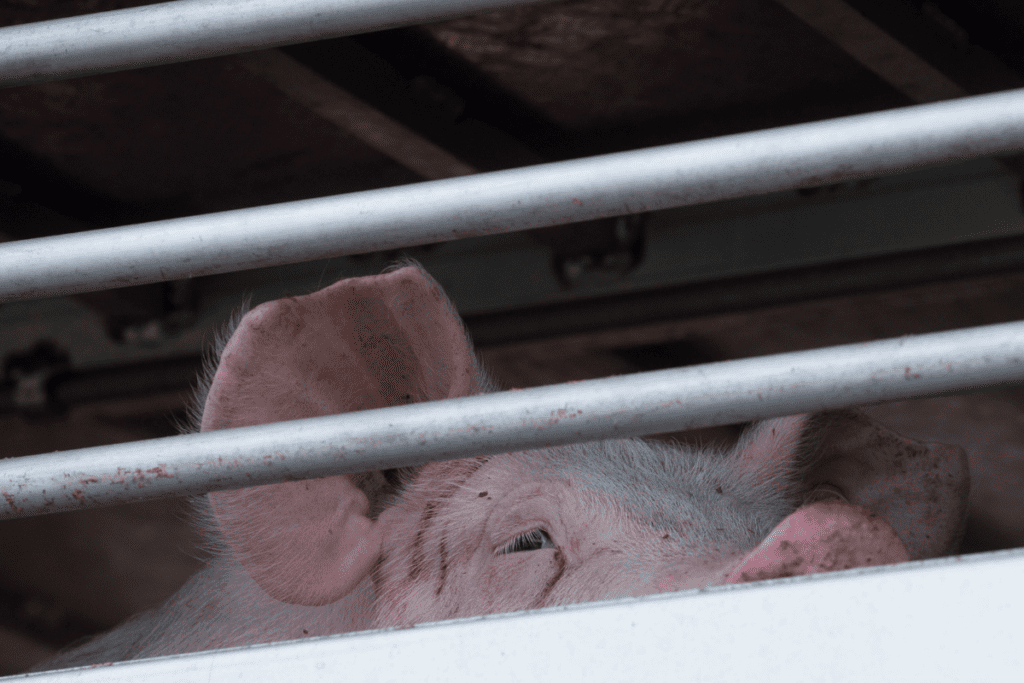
x,y
797,495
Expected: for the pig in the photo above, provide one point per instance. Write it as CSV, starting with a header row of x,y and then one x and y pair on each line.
x,y
551,526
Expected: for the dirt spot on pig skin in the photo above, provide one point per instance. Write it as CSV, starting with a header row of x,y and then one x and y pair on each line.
x,y
482,494
443,579
825,536
793,566
419,558
560,560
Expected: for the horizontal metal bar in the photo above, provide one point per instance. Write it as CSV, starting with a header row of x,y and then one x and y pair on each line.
x,y
629,405
950,619
185,30
73,387
517,199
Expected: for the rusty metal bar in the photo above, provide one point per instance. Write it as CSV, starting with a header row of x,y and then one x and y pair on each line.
x,y
629,405
185,30
518,199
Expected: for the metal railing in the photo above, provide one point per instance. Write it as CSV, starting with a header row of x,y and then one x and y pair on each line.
x,y
912,621
628,405
185,30
506,201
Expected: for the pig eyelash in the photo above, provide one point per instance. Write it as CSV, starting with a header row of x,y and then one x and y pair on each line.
x,y
538,539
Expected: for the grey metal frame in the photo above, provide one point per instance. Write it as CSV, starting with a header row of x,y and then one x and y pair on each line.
x,y
506,201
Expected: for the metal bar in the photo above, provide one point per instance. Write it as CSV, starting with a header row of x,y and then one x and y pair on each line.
x,y
185,30
949,619
550,322
517,199
629,405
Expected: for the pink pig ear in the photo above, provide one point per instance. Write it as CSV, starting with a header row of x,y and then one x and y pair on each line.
x,y
822,537
362,343
918,489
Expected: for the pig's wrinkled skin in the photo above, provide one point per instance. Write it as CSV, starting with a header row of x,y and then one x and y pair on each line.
x,y
797,495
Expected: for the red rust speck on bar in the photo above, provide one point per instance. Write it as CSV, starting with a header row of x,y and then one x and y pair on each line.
x,y
161,472
77,493
10,502
89,480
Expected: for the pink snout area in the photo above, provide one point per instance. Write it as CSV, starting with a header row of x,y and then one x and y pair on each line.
x,y
822,537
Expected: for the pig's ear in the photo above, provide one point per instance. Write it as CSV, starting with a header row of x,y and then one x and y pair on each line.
x,y
919,489
359,344
823,536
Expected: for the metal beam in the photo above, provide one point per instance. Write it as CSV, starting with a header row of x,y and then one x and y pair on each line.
x,y
915,49
185,30
357,118
746,293
950,619
628,405
517,199
875,49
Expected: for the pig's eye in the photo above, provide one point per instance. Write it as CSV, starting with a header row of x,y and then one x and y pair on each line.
x,y
538,539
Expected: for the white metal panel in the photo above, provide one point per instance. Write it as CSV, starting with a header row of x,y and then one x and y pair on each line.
x,y
953,619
